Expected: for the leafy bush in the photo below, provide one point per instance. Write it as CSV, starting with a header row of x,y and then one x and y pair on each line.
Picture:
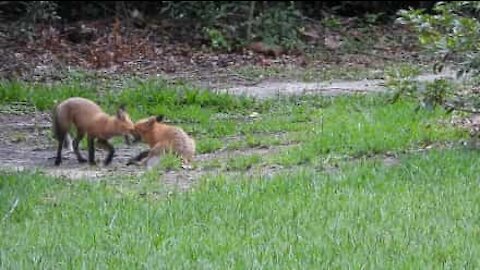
x,y
217,38
229,24
27,14
402,80
279,26
450,32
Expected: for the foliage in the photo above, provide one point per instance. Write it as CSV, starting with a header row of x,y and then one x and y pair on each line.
x,y
279,26
206,12
450,32
224,23
217,38
38,11
30,13
402,81
453,30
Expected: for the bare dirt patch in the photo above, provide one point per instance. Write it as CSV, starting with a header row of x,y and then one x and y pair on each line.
x,y
26,144
268,89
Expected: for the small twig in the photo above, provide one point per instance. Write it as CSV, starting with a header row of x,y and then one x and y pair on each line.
x,y
36,124
9,213
454,108
250,20
112,220
322,123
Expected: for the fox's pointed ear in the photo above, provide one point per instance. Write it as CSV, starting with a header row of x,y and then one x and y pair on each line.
x,y
159,118
151,121
121,111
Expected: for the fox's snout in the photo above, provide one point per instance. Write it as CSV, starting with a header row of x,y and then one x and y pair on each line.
x,y
136,136
126,125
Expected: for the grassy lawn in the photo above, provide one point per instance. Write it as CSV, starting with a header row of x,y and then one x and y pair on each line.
x,y
422,213
335,204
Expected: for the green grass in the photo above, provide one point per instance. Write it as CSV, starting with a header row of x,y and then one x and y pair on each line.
x,y
244,162
419,214
258,140
43,96
208,145
169,161
142,99
335,203
348,128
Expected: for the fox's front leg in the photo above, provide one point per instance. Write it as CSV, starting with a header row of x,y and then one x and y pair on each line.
x,y
138,157
186,164
91,150
153,156
109,147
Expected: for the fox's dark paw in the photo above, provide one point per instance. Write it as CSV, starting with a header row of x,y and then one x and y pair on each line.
x,y
57,162
187,166
82,160
132,162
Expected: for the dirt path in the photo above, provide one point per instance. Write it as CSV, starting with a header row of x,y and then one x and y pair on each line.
x,y
274,88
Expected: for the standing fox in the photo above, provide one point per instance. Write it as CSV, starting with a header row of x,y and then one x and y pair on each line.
x,y
162,138
88,118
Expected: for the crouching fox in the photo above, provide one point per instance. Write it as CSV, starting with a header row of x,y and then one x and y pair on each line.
x,y
162,138
88,119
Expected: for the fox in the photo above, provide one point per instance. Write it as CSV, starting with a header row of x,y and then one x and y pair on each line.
x,y
89,119
162,138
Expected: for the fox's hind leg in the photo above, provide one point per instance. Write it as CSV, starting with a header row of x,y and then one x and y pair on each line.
x,y
107,146
76,141
60,138
59,132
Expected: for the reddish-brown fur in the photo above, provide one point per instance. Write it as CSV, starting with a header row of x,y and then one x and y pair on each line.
x,y
163,138
88,119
